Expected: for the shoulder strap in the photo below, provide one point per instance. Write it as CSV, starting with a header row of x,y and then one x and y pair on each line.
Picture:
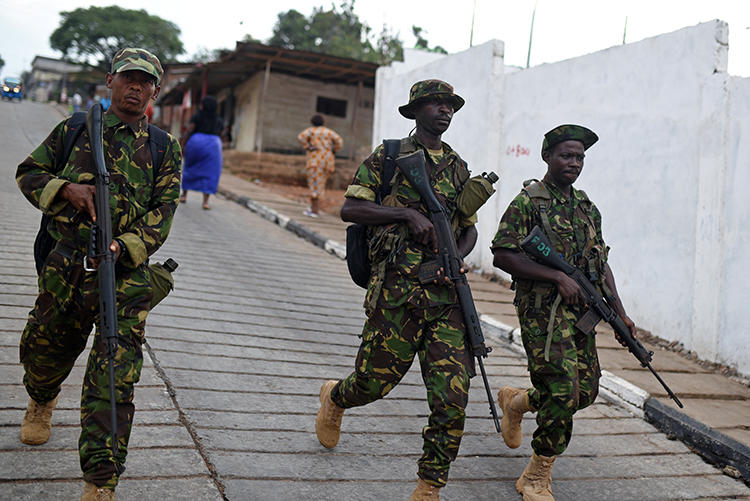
x,y
391,149
158,142
541,197
535,189
76,124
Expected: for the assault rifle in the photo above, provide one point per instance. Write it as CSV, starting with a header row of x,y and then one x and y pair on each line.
x,y
538,246
449,259
101,239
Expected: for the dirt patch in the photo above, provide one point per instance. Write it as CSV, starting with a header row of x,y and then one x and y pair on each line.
x,y
330,203
285,175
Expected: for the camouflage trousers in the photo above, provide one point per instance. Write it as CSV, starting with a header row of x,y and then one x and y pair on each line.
x,y
565,384
55,335
390,340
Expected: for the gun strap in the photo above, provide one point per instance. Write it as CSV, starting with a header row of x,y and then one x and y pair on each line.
x,y
551,325
547,226
158,142
391,148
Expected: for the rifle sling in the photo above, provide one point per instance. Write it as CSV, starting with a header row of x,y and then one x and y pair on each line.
x,y
550,325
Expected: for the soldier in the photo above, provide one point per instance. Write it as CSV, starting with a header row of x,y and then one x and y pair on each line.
x,y
562,361
143,202
406,318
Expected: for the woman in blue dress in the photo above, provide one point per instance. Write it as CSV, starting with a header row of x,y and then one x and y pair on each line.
x,y
202,160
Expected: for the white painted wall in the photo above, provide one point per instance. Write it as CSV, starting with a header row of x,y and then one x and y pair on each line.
x,y
732,344
665,174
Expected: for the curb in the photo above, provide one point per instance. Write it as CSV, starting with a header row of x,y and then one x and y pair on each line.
x,y
717,448
330,246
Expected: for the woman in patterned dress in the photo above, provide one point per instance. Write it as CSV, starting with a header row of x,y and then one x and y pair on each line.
x,y
321,144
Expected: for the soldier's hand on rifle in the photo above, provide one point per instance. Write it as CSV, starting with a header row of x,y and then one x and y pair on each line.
x,y
422,230
114,247
81,197
446,279
569,289
631,328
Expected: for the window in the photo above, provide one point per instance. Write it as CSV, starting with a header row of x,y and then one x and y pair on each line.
x,y
330,106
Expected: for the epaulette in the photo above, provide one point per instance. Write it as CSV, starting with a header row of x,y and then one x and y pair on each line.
x,y
407,146
535,189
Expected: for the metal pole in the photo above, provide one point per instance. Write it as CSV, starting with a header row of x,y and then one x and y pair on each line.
x,y
259,123
353,131
531,33
473,15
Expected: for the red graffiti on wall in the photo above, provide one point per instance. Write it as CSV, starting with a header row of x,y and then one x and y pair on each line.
x,y
517,150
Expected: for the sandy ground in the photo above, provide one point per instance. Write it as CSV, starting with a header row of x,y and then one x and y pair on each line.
x,y
330,203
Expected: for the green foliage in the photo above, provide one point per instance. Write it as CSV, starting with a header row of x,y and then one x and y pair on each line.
x,y
99,32
206,55
422,42
337,32
250,39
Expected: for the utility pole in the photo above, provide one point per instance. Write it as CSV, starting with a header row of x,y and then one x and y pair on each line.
x,y
473,15
531,33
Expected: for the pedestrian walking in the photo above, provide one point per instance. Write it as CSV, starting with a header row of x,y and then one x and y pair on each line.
x,y
143,202
321,145
562,358
203,159
407,317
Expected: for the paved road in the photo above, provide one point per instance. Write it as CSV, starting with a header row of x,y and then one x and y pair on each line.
x,y
226,405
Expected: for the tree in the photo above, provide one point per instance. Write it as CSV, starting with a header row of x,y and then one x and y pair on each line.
x,y
99,32
337,32
206,55
422,42
2,62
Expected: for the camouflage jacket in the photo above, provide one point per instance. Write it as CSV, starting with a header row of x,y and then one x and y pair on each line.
x,y
390,246
142,199
577,235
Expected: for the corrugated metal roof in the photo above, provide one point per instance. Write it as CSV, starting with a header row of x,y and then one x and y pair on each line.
x,y
249,58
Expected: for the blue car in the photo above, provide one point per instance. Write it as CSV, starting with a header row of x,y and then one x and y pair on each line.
x,y
12,88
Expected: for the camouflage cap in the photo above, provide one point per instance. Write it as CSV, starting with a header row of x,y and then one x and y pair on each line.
x,y
569,132
426,89
132,58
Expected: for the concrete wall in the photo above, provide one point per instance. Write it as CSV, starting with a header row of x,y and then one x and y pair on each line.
x,y
287,107
735,279
665,173
246,113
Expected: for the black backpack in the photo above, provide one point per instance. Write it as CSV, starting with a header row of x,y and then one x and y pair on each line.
x,y
158,142
357,259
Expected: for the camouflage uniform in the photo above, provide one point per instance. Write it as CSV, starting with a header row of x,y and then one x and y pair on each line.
x,y
143,201
562,361
405,318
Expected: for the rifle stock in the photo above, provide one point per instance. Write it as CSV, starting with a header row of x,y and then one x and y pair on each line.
x,y
538,246
101,238
413,168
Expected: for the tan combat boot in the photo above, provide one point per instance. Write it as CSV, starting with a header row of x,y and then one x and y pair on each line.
x,y
328,422
37,422
425,492
535,481
93,493
514,403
